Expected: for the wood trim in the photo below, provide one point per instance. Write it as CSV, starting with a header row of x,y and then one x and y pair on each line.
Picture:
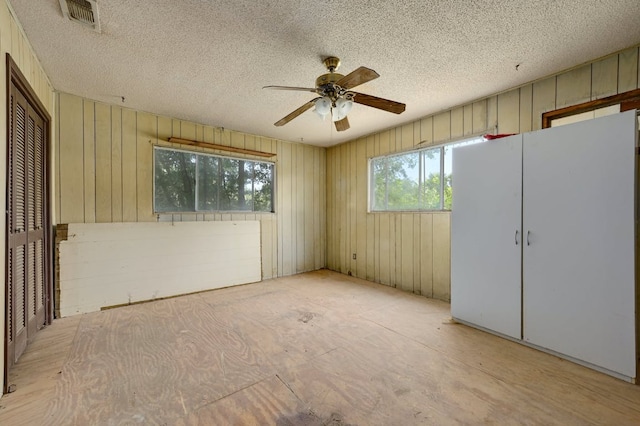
x,y
629,105
627,100
220,147
20,81
5,366
17,80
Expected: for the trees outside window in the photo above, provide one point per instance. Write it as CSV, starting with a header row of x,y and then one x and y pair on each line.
x,y
413,181
186,181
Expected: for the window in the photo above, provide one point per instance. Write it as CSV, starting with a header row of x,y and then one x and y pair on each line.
x,y
189,182
619,103
413,181
588,115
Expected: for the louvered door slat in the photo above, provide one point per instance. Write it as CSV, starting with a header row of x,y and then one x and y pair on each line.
x,y
20,315
20,169
10,171
19,279
32,294
10,226
39,198
31,173
40,282
39,180
10,292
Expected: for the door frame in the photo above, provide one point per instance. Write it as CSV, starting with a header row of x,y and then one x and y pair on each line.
x,y
17,81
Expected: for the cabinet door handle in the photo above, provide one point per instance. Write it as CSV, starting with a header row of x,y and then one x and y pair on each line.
x,y
516,237
528,233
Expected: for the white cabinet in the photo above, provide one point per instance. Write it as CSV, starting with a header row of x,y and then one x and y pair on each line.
x,y
487,236
576,294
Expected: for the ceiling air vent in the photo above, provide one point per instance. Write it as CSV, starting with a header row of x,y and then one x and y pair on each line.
x,y
82,11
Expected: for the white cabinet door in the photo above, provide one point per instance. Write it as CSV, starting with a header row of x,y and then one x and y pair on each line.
x,y
485,235
578,252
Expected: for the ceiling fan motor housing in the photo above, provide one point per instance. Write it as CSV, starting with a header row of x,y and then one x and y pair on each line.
x,y
326,82
325,79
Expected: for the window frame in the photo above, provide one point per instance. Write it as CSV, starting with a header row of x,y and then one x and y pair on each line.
x,y
196,184
478,138
627,100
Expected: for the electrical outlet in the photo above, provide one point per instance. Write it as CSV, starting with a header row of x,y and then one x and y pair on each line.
x,y
353,256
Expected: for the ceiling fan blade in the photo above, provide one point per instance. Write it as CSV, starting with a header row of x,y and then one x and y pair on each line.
x,y
296,113
380,103
357,77
342,125
300,89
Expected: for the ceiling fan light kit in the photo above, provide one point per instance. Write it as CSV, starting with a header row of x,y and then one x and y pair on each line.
x,y
336,98
323,106
341,108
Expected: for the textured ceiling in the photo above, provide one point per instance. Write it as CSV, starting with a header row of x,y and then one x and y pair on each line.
x,y
207,60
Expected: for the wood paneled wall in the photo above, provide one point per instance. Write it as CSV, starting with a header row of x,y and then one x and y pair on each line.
x,y
404,250
14,42
412,250
104,165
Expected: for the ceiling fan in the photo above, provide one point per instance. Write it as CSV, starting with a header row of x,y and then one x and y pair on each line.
x,y
336,97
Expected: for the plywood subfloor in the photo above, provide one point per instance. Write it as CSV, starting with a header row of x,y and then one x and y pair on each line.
x,y
312,349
